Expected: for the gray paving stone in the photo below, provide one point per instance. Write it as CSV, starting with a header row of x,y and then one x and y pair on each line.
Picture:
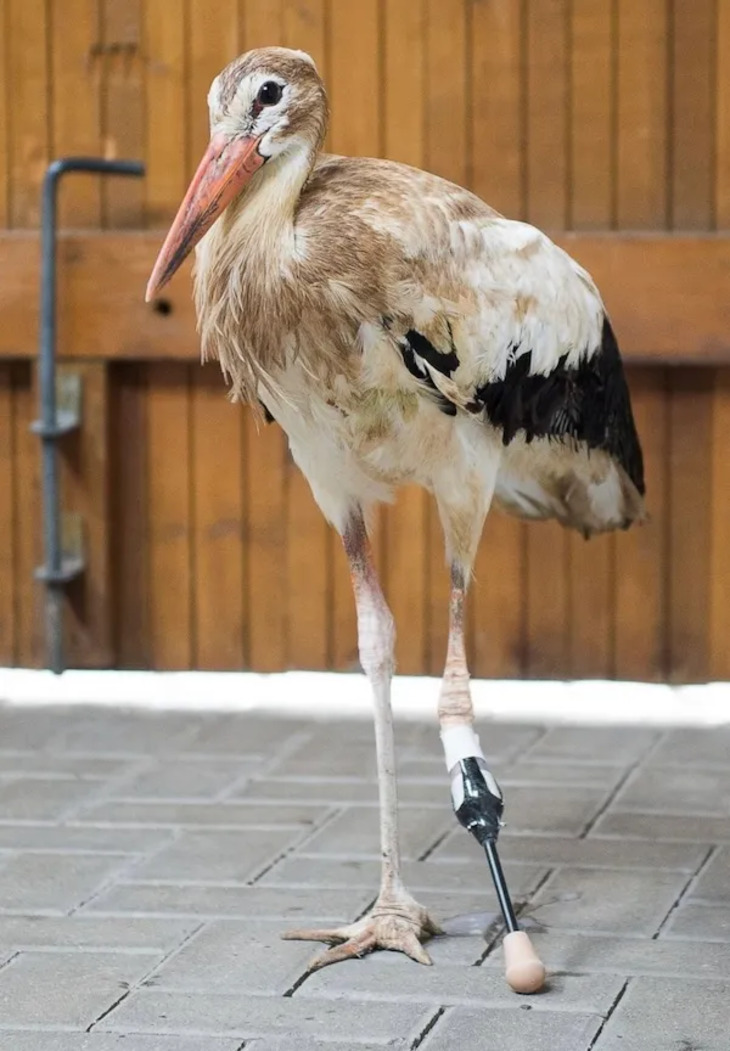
x,y
658,827
713,885
527,771
52,882
202,815
327,791
115,731
53,764
597,744
299,869
593,954
296,906
710,923
677,790
65,989
245,735
675,1014
631,902
89,932
28,729
236,957
220,1014
38,799
398,980
355,832
217,856
75,839
693,747
592,852
38,1041
186,779
284,1044
467,1028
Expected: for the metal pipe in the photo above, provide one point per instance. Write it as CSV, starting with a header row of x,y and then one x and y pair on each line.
x,y
500,885
49,429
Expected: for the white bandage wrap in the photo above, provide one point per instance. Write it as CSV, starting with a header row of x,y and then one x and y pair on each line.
x,y
460,742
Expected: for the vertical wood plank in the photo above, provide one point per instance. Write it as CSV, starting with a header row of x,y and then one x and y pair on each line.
x,y
263,23
495,616
720,551
212,39
7,530
164,35
129,516
85,464
722,116
591,592
692,109
76,98
122,91
592,113
266,577
169,500
447,124
641,553
547,108
308,546
642,187
404,124
548,544
497,106
354,130
690,510
304,28
4,116
354,29
28,123
719,631
30,643
405,523
218,519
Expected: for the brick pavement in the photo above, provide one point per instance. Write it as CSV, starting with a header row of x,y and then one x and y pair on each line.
x,y
148,864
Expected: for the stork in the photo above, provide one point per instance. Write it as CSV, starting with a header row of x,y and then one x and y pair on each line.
x,y
401,331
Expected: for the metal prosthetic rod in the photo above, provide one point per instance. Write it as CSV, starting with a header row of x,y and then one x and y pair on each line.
x,y
478,805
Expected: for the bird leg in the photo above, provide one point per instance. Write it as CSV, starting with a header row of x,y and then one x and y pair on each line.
x,y
396,920
476,796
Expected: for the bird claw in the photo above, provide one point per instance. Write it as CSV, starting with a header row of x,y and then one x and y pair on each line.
x,y
399,926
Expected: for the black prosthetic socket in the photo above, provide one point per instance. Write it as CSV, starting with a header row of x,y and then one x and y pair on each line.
x,y
481,814
481,811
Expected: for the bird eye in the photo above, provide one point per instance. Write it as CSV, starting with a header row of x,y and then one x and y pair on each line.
x,y
270,93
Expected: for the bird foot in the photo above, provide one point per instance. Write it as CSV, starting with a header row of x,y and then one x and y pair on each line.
x,y
400,924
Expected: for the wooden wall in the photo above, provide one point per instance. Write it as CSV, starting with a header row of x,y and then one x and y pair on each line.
x,y
205,547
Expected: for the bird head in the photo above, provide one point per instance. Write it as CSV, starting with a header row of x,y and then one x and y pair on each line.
x,y
266,107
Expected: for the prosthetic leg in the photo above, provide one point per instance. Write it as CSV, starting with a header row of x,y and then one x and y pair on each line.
x,y
478,805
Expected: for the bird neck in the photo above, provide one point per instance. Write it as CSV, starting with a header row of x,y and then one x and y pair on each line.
x,y
263,216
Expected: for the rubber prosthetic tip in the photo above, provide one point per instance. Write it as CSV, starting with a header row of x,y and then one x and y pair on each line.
x,y
524,970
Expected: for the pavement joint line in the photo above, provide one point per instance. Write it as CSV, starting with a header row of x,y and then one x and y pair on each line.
x,y
117,877
101,795
711,853
280,856
433,1021
619,997
613,793
283,752
434,845
143,979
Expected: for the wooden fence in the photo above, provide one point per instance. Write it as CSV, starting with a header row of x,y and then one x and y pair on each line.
x,y
601,117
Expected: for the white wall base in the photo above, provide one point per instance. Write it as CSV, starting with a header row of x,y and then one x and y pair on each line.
x,y
319,694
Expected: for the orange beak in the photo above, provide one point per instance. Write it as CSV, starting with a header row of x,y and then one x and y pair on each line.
x,y
226,167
